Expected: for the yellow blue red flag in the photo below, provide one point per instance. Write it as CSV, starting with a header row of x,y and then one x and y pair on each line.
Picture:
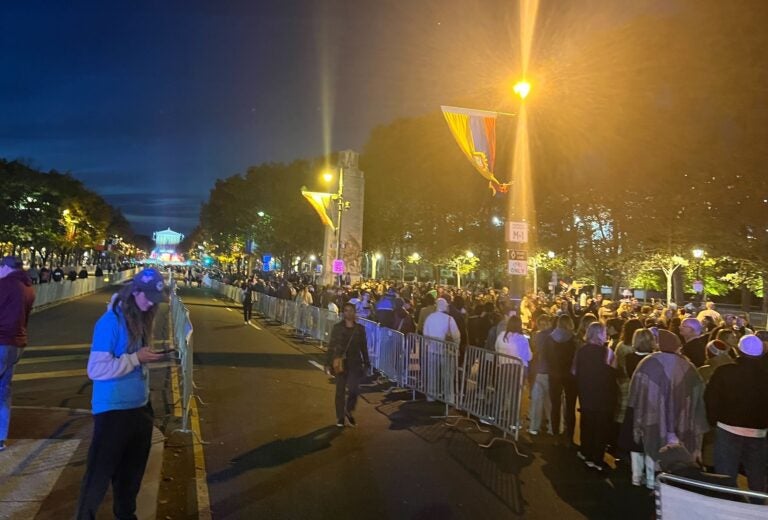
x,y
475,133
321,202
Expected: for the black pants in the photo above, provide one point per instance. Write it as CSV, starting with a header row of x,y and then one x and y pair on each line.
x,y
247,310
347,386
558,385
118,454
595,434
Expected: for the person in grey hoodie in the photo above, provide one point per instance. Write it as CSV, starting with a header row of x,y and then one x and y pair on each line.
x,y
559,351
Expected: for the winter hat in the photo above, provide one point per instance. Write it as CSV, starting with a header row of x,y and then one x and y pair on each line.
x,y
150,282
668,341
717,347
442,305
751,345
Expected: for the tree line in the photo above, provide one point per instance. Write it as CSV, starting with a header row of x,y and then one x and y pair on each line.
x,y
55,218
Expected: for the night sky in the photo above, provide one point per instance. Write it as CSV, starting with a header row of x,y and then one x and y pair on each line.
x,y
149,102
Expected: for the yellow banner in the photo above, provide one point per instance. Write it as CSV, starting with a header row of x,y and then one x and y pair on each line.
x,y
322,203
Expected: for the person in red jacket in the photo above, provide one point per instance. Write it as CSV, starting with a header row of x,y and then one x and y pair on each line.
x,y
16,299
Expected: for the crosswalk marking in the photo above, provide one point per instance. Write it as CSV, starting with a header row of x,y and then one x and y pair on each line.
x,y
51,359
48,375
71,346
255,326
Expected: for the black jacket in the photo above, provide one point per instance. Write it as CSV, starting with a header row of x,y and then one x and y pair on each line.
x,y
349,343
696,350
596,380
558,353
737,394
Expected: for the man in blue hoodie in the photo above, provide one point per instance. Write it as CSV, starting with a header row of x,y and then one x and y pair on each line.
x,y
122,414
16,299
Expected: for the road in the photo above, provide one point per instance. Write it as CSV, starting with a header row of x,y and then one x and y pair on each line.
x,y
273,450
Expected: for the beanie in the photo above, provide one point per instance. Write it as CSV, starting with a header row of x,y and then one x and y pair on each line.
x,y
751,345
717,347
668,341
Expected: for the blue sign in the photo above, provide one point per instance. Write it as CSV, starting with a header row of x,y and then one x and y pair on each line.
x,y
267,260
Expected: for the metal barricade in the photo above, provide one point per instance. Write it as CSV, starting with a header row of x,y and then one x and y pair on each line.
x,y
392,357
52,292
181,325
372,338
679,497
432,367
491,389
327,320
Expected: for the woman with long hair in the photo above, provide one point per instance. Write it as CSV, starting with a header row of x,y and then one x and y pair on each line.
x,y
122,413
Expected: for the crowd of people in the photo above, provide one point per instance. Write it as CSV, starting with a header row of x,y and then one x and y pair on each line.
x,y
653,384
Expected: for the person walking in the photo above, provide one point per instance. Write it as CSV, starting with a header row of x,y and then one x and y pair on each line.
x,y
246,294
16,299
347,361
596,381
122,413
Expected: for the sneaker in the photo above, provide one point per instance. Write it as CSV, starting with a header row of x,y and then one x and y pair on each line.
x,y
2,445
592,465
352,421
637,482
581,455
533,432
340,423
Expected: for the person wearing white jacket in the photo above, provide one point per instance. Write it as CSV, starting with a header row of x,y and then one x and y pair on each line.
x,y
513,343
440,326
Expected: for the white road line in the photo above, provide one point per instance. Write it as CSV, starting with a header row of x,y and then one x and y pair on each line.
x,y
215,300
230,310
316,365
255,326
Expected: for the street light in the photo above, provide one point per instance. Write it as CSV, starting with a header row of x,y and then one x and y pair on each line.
x,y
470,254
550,254
522,88
260,213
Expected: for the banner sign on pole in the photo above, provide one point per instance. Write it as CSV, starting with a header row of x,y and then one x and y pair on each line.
x,y
517,232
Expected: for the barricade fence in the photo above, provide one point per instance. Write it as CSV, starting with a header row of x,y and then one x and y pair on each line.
x,y
487,385
52,292
679,497
181,325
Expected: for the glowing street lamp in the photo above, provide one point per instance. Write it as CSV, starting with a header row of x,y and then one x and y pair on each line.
x,y
550,254
327,176
522,88
470,254
260,213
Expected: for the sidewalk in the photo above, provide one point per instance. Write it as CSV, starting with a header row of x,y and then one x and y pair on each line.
x,y
43,465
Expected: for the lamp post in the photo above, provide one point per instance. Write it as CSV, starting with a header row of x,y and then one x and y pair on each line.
x,y
376,257
341,205
698,254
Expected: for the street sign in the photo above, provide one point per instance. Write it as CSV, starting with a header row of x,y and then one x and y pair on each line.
x,y
266,260
338,266
517,254
517,232
517,267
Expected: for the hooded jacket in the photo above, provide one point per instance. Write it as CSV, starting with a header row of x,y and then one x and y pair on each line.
x,y
16,299
559,352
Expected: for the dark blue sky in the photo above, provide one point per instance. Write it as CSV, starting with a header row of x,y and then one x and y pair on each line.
x,y
149,102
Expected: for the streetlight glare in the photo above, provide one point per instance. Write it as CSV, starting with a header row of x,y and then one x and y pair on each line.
x,y
551,254
698,253
327,176
260,213
522,88
470,254
312,257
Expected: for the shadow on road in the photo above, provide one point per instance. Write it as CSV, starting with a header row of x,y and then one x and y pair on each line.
x,y
279,452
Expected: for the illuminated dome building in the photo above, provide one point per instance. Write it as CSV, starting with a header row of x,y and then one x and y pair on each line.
x,y
166,242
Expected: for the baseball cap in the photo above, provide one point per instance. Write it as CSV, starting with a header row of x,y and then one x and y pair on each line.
x,y
151,283
12,261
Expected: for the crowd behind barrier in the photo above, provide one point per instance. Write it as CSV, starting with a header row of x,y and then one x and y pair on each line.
x,y
53,292
488,386
181,325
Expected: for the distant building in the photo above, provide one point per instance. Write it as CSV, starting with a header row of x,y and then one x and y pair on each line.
x,y
166,243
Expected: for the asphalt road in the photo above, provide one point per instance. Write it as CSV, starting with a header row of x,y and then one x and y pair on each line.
x,y
274,451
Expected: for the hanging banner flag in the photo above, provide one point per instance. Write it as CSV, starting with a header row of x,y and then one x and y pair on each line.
x,y
475,133
322,203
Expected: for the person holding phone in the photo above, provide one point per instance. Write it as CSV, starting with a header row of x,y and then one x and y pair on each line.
x,y
122,413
